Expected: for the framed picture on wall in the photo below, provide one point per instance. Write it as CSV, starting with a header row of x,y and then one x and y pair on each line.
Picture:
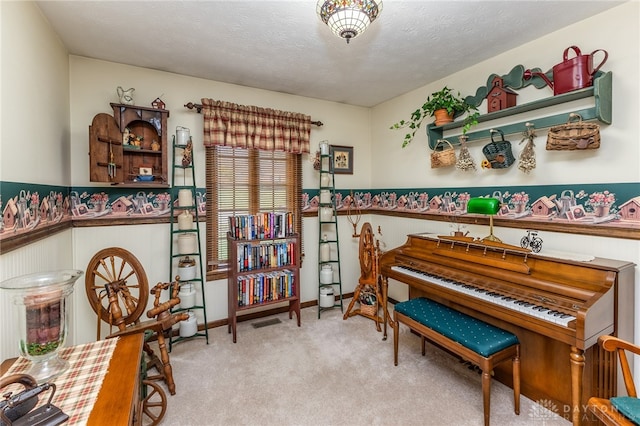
x,y
342,159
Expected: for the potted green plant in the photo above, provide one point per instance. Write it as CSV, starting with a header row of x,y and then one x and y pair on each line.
x,y
444,105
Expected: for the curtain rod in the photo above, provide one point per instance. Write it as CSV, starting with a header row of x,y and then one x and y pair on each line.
x,y
198,108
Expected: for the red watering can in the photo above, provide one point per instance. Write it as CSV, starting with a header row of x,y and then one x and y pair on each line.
x,y
571,74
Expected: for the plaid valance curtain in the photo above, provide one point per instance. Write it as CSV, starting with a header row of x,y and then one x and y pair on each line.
x,y
239,126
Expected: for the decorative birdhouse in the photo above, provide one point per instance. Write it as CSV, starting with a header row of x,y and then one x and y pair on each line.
x,y
631,209
543,206
158,104
500,97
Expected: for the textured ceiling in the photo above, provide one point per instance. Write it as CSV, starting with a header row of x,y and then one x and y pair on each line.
x,y
282,46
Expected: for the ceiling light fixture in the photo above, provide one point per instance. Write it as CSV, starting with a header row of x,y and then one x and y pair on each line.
x,y
348,18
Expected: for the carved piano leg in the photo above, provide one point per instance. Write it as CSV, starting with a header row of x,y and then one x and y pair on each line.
x,y
577,369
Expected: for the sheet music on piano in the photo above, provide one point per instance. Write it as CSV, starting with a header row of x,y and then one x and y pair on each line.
x,y
557,307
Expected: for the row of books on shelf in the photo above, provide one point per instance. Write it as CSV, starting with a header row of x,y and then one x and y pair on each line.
x,y
261,226
260,288
265,255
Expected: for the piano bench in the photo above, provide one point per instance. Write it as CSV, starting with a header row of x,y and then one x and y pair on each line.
x,y
475,341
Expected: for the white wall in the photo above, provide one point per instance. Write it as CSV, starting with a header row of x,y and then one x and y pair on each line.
x,y
34,142
35,98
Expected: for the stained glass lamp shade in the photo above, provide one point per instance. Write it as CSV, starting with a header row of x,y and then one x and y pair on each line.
x,y
348,18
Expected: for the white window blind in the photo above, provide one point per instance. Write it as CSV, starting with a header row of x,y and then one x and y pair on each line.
x,y
247,181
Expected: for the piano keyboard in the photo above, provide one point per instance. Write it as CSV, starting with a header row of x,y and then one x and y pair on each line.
x,y
508,302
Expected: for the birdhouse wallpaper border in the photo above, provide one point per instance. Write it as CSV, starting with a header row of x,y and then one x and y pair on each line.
x,y
28,207
609,205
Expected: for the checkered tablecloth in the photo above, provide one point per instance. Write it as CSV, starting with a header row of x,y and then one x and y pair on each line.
x,y
77,388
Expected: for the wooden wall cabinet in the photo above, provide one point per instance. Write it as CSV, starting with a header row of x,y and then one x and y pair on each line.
x,y
113,159
262,273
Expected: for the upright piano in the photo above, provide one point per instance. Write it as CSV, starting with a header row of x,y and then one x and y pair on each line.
x,y
557,307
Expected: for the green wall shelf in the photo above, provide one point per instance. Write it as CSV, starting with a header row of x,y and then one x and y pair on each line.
x,y
601,92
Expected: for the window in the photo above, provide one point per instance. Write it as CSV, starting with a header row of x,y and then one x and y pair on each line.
x,y
247,181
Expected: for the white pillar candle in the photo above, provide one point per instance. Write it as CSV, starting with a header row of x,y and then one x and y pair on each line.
x,y
186,243
325,250
185,220
185,198
325,196
324,179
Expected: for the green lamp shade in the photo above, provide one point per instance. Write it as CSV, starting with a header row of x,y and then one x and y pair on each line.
x,y
483,205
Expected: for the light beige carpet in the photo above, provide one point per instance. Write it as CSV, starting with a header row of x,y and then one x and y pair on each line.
x,y
330,372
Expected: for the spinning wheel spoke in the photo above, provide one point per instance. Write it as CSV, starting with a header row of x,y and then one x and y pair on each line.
x,y
102,276
122,265
111,273
128,275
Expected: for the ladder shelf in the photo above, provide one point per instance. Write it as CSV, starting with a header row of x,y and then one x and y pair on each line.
x,y
329,274
185,257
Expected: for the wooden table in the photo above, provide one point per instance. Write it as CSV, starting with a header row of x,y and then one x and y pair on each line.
x,y
118,399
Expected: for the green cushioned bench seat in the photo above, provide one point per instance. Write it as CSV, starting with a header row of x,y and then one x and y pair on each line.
x,y
628,406
483,344
476,335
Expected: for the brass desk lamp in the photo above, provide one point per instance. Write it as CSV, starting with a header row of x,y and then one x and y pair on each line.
x,y
488,206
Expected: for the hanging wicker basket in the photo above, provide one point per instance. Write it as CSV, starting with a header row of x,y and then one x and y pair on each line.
x,y
444,157
498,153
573,135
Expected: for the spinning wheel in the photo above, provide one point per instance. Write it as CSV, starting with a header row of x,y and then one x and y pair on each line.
x,y
119,270
368,252
118,291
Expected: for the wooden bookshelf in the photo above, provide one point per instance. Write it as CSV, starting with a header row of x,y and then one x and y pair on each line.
x,y
263,271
